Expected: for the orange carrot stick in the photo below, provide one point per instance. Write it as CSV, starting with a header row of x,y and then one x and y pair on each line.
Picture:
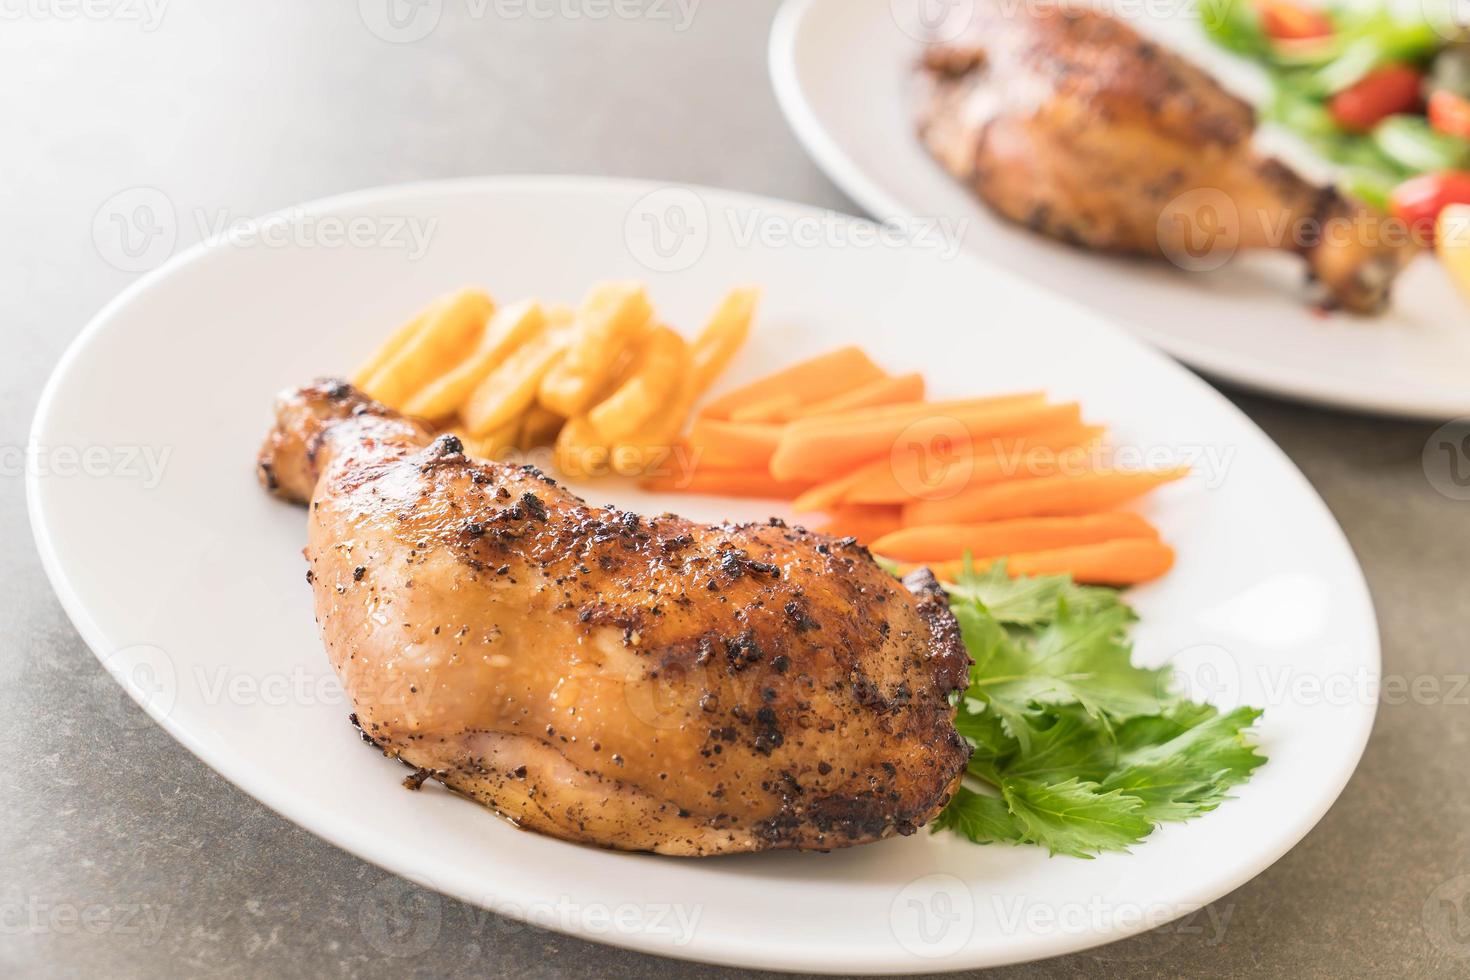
x,y
1049,496
812,380
829,445
776,409
867,524
941,542
1128,561
902,389
724,483
733,445
910,411
826,495
935,473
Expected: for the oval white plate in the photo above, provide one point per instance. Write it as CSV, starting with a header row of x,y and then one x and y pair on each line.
x,y
189,584
843,71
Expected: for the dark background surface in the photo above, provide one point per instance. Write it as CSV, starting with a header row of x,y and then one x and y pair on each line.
x,y
252,107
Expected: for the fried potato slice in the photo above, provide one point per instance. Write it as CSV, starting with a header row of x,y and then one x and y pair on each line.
x,y
579,453
610,319
390,347
652,446
539,427
496,443
509,390
435,347
723,336
509,328
655,378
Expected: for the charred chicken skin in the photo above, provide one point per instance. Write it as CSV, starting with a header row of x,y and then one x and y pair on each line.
x,y
1067,121
645,684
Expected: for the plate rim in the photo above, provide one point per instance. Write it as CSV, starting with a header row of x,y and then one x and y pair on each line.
x,y
726,951
1237,369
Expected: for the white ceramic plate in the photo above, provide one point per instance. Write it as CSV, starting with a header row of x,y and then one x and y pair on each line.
x,y
843,71
189,583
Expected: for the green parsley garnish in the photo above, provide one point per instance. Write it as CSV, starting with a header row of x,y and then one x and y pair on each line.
x,y
1076,749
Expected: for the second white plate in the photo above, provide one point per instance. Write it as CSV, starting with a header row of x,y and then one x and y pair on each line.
x,y
843,71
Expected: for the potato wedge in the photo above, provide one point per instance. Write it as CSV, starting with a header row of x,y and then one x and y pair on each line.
x,y
495,444
510,389
579,454
508,329
539,427
652,446
655,378
436,347
390,347
723,336
609,320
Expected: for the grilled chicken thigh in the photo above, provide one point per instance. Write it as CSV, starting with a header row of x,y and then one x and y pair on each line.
x,y
638,683
1069,122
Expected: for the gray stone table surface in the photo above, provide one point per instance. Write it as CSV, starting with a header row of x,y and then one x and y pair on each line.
x,y
240,108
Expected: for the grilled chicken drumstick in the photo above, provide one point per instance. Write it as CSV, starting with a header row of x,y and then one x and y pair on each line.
x,y
638,683
1067,121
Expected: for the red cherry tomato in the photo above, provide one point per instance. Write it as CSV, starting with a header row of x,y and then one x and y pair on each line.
x,y
1449,112
1419,200
1379,94
1286,21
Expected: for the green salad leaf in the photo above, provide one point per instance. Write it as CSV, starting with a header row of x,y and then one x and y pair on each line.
x,y
1075,817
983,818
1076,749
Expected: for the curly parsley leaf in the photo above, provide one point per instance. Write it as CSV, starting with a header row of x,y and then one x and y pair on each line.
x,y
983,819
1086,751
1071,747
992,745
1075,659
1192,772
1075,817
1027,601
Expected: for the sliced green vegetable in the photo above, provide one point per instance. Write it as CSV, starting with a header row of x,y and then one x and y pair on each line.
x,y
1412,143
1308,52
1235,26
1372,187
1347,69
1302,114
